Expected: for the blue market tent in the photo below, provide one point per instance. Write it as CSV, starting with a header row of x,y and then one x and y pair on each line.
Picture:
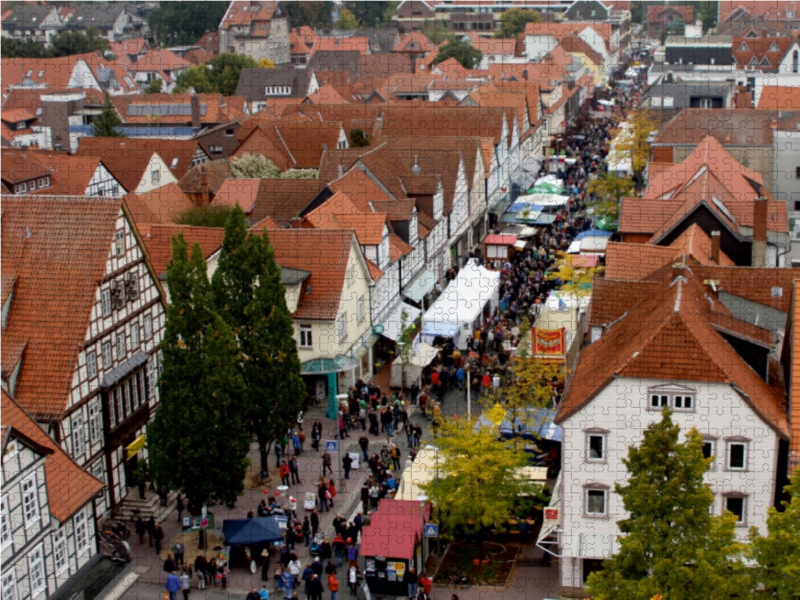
x,y
593,233
540,425
247,532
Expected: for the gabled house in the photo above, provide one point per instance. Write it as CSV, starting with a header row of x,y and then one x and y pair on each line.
x,y
159,64
294,144
666,17
710,189
103,360
258,29
259,86
719,376
282,200
37,22
412,15
23,173
142,164
114,20
48,510
19,128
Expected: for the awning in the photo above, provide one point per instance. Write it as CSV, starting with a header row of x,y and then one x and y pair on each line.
x,y
520,244
245,532
422,284
531,165
135,446
421,355
393,324
323,366
441,328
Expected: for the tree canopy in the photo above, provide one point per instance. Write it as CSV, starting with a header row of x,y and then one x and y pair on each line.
x,y
466,55
205,215
359,139
155,86
670,547
198,440
347,20
513,21
312,14
608,190
179,23
477,485
254,166
222,76
106,123
247,290
371,14
63,44
778,553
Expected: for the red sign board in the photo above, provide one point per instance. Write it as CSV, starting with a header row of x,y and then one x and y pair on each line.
x,y
551,515
548,341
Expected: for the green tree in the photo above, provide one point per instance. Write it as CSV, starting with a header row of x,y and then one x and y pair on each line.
x,y
514,20
436,31
198,78
78,42
155,86
16,48
368,14
312,14
670,546
778,553
248,292
609,189
265,63
467,56
179,23
198,440
359,139
347,20
206,215
225,70
106,123
254,166
300,174
676,28
477,484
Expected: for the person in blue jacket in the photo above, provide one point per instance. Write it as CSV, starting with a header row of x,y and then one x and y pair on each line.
x,y
173,585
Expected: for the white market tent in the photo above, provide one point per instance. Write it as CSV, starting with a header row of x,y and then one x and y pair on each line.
x,y
544,199
421,471
550,179
421,356
461,303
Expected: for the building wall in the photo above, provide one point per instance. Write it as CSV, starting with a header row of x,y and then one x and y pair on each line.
x,y
165,176
621,410
104,184
86,428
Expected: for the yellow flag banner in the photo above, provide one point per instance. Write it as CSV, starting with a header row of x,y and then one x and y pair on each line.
x,y
548,341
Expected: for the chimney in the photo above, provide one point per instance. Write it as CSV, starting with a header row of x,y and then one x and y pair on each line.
x,y
195,112
759,257
715,246
205,198
340,169
296,223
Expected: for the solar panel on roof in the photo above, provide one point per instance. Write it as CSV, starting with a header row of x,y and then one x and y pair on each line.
x,y
164,110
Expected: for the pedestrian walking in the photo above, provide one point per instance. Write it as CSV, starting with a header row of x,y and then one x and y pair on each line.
x,y
347,464
284,473
158,537
180,507
353,577
140,528
294,470
363,443
150,527
316,434
327,463
411,581
178,550
172,585
352,552
315,588
186,584
333,585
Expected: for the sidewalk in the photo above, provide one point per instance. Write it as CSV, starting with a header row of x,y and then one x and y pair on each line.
x,y
149,567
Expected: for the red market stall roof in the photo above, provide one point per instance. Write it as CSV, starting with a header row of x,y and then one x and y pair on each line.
x,y
500,240
392,536
586,261
405,507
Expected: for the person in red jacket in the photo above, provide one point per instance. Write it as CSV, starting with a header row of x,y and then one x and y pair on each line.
x,y
284,471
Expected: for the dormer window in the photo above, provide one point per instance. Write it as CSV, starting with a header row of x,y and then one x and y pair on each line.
x,y
743,47
774,47
765,62
174,163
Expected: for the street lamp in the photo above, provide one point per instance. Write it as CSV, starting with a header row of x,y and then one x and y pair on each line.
x,y
340,398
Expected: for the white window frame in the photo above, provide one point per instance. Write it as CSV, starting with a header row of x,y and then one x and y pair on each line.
x,y
91,364
80,525
60,551
6,533
743,521
121,346
30,500
588,492
305,334
78,436
360,310
135,335
119,242
682,399
341,327
155,176
10,591
604,450
713,454
105,302
97,470
108,358
36,565
663,401
148,327
95,423
729,455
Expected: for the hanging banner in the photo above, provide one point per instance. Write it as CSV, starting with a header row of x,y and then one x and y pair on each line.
x,y
550,342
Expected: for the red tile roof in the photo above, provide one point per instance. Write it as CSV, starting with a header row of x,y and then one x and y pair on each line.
x,y
793,338
15,115
325,254
766,52
245,12
284,199
21,166
333,44
72,173
775,97
160,205
59,250
731,126
157,239
420,43
56,72
670,336
241,191
656,13
160,60
69,487
771,10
